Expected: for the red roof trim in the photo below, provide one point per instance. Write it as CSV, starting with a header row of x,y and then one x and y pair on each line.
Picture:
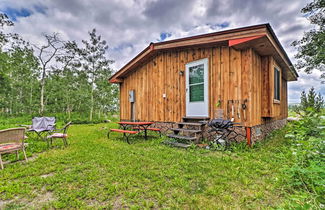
x,y
233,42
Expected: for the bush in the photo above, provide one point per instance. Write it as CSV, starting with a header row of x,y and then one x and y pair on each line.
x,y
61,118
308,147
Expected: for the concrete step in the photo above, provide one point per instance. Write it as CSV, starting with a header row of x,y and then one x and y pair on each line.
x,y
189,138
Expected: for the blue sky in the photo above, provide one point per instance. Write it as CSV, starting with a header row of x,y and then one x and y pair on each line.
x,y
130,25
13,13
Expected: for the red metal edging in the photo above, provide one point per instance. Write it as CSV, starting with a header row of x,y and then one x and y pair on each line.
x,y
249,136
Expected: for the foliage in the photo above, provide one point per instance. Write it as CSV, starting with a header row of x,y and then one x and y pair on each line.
x,y
307,144
91,61
19,83
312,102
56,77
46,54
311,48
5,37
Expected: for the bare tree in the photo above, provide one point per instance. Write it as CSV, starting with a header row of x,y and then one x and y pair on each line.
x,y
46,55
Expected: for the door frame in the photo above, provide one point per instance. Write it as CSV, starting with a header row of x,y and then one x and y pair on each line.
x,y
205,62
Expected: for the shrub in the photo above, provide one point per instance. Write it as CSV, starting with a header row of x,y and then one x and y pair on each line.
x,y
308,147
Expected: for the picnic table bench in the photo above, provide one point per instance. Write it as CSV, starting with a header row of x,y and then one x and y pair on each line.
x,y
149,129
125,132
136,126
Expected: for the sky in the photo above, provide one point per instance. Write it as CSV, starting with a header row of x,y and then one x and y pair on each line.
x,y
130,25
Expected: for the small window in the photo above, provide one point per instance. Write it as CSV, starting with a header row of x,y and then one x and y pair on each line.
x,y
276,84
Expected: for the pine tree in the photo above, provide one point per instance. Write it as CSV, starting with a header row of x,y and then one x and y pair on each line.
x,y
311,102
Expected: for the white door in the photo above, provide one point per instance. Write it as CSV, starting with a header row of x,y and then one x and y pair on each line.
x,y
197,88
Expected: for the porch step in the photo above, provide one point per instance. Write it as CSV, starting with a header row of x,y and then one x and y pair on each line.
x,y
189,138
176,144
186,130
191,123
195,119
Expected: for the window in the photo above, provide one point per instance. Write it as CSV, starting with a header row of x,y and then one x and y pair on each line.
x,y
196,83
276,84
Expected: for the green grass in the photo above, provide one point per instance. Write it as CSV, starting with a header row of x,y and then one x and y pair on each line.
x,y
96,172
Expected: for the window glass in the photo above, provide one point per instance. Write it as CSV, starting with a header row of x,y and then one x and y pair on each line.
x,y
196,83
197,93
196,74
276,84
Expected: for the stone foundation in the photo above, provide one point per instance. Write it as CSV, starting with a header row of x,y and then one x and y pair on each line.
x,y
165,126
258,132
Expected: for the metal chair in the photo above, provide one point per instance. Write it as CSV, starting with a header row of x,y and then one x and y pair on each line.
x,y
60,134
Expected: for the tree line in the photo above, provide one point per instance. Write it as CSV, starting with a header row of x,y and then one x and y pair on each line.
x,y
57,76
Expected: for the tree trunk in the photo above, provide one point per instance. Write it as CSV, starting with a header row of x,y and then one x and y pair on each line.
x,y
91,103
42,92
31,100
69,109
69,113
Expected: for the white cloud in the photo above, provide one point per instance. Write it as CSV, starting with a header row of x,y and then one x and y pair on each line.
x,y
130,25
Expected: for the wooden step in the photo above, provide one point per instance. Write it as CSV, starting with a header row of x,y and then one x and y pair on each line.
x,y
189,138
195,119
186,130
176,144
190,123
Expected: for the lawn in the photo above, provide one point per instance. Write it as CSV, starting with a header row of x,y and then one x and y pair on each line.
x,y
96,172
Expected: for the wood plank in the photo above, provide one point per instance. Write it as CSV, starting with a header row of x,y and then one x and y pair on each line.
x,y
160,83
218,86
246,72
182,84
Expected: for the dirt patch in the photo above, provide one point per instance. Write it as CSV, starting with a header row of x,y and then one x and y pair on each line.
x,y
35,203
118,202
4,203
20,161
41,199
47,175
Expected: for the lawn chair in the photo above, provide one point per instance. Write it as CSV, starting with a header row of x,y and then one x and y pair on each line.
x,y
42,126
11,141
60,134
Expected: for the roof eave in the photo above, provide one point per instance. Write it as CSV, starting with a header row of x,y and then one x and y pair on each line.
x,y
291,66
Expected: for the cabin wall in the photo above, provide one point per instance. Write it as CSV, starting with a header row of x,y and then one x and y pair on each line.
x,y
237,75
272,108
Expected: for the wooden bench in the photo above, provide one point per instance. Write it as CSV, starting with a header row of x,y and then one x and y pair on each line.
x,y
149,129
11,141
125,132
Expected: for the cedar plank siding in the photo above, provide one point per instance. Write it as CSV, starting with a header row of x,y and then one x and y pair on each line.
x,y
233,75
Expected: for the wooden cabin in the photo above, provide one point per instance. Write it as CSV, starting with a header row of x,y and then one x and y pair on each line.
x,y
243,72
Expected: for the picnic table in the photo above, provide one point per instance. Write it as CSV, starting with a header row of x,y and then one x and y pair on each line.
x,y
143,125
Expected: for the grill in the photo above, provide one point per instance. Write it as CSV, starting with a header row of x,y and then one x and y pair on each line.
x,y
224,130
